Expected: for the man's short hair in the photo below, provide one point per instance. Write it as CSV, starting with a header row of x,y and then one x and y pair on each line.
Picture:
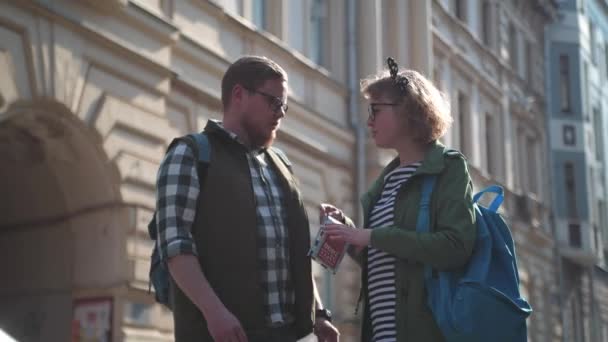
x,y
250,72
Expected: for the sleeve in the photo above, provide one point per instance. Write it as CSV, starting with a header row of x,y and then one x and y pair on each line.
x,y
177,190
450,242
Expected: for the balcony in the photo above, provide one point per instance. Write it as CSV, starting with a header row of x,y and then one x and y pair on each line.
x,y
578,255
576,245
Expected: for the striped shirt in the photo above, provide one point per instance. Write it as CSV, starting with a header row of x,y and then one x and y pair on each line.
x,y
176,200
380,265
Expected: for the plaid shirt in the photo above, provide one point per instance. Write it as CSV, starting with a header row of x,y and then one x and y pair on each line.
x,y
177,193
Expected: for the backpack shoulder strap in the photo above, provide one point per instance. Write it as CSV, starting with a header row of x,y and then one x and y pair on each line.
x,y
198,143
423,223
203,146
200,146
424,213
496,189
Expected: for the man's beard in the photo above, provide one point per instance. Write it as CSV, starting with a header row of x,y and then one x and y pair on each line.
x,y
259,136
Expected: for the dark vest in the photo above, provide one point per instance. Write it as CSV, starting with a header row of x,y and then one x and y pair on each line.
x,y
225,232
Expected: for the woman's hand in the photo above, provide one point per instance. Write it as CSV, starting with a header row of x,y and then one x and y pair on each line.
x,y
328,209
325,331
356,237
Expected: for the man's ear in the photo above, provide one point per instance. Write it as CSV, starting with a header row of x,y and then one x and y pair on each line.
x,y
237,93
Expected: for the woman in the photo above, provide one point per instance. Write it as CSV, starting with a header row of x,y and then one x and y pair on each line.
x,y
407,114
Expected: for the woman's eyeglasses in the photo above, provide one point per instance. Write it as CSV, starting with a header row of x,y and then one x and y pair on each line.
x,y
371,109
274,102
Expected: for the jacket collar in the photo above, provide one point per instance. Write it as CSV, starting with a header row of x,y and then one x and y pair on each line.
x,y
434,159
432,164
217,127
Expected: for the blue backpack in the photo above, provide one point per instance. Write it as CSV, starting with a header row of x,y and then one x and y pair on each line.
x,y
159,271
482,301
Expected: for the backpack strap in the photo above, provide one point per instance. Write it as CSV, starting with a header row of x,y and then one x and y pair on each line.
x,y
199,144
424,213
159,273
204,150
497,200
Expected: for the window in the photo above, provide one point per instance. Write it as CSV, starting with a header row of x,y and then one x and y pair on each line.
x,y
460,10
606,58
486,20
296,31
592,43
234,6
437,78
513,58
490,148
570,190
308,29
529,70
525,67
167,8
585,90
574,235
564,83
532,162
319,32
598,134
258,14
569,135
577,331
520,158
463,117
603,220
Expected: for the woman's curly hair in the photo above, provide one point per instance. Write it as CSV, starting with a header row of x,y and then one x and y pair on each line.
x,y
425,109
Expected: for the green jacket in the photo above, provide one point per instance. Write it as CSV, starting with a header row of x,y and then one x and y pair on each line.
x,y
447,247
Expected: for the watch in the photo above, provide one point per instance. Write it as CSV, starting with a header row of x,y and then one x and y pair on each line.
x,y
323,313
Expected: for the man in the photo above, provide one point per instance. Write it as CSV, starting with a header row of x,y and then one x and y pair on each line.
x,y
238,254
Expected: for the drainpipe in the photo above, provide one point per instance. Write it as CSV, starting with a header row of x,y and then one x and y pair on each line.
x,y
353,105
553,168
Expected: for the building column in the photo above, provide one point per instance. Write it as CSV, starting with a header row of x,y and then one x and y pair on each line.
x,y
446,79
421,39
476,127
510,143
403,11
276,17
370,32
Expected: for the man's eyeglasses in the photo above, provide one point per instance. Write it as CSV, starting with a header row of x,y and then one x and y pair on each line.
x,y
274,102
371,109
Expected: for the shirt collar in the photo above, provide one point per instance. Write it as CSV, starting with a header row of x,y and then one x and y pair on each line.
x,y
217,126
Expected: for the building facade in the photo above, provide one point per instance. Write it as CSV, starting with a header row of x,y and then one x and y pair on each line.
x,y
577,120
488,56
94,91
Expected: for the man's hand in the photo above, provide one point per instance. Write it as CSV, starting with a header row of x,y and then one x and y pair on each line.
x,y
325,331
225,327
222,325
